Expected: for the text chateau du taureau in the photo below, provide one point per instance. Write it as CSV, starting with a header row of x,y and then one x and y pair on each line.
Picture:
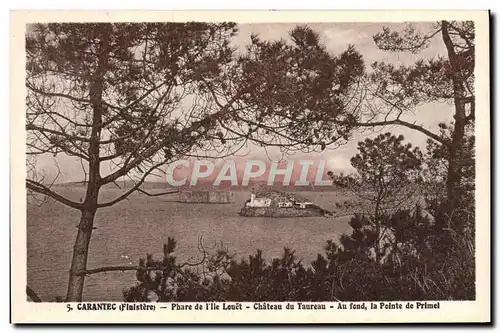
x,y
212,306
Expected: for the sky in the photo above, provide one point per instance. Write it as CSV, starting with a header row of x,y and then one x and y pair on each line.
x,y
336,37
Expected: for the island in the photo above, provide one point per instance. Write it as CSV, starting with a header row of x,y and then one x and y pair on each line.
x,y
280,204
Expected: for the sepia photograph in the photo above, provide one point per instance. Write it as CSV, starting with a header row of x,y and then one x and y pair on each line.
x,y
225,162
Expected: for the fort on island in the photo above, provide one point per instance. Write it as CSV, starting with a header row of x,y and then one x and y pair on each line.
x,y
207,196
280,204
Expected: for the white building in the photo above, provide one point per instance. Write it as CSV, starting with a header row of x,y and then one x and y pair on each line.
x,y
285,204
303,205
258,202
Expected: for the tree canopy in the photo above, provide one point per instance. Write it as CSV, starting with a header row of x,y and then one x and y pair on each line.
x,y
138,96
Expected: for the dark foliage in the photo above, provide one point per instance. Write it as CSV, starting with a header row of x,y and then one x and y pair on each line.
x,y
416,265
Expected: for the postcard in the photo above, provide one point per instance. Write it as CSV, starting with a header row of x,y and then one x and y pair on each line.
x,y
250,167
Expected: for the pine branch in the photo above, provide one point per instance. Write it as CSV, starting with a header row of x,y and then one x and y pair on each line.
x,y
178,268
42,189
134,268
406,124
119,268
133,189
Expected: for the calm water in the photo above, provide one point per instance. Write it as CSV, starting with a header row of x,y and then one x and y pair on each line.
x,y
142,224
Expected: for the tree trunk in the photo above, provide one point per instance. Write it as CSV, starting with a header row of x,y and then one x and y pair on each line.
x,y
457,141
377,227
454,167
82,242
80,255
33,295
81,247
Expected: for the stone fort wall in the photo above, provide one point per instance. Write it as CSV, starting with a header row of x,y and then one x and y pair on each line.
x,y
207,196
